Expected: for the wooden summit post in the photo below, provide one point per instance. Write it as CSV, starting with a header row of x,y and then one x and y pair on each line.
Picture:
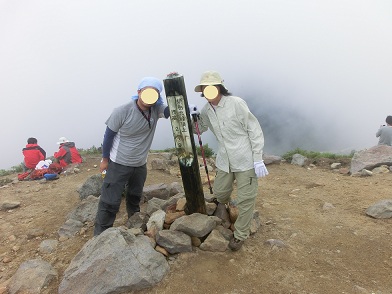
x,y
184,142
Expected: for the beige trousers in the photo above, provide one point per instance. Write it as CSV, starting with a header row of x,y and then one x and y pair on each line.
x,y
246,197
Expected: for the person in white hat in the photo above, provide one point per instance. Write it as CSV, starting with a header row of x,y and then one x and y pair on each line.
x,y
240,150
127,141
67,153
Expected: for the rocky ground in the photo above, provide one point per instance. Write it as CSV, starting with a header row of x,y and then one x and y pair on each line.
x,y
329,244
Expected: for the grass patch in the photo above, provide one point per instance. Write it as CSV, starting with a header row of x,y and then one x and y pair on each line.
x,y
208,152
90,151
12,170
288,156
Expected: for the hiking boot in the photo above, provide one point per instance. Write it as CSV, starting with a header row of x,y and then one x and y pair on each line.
x,y
235,244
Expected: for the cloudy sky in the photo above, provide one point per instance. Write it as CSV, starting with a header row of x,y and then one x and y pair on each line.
x,y
317,74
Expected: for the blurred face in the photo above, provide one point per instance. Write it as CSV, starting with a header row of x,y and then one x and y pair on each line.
x,y
212,94
148,96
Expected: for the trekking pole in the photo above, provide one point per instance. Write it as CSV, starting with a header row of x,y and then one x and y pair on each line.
x,y
194,116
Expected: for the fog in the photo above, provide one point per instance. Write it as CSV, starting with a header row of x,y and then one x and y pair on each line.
x,y
317,74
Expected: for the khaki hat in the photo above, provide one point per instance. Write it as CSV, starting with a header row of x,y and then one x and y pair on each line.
x,y
209,78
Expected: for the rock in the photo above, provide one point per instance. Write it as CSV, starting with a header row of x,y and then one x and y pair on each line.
x,y
32,277
181,204
215,242
114,262
381,209
174,241
172,216
48,246
138,221
271,159
162,250
298,159
92,186
159,164
70,228
7,205
223,214
160,191
336,165
328,206
86,210
366,173
157,218
194,225
195,241
371,158
344,171
381,170
275,243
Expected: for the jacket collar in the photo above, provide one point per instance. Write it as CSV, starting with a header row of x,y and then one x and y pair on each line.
x,y
221,103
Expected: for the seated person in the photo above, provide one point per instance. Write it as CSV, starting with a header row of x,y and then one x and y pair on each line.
x,y
67,153
385,132
33,154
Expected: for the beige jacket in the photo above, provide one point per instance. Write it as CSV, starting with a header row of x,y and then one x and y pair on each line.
x,y
238,132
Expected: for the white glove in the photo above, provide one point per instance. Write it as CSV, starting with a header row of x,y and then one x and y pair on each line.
x,y
260,169
193,110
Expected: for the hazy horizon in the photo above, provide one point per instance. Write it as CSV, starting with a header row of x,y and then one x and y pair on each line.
x,y
317,74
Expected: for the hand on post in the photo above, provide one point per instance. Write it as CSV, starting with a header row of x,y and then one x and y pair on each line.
x,y
193,111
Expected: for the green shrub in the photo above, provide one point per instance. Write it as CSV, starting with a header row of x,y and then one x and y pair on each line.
x,y
313,154
4,172
12,170
17,168
208,152
90,151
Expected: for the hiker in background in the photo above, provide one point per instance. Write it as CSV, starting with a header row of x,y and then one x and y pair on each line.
x,y
33,154
240,150
67,153
126,143
385,132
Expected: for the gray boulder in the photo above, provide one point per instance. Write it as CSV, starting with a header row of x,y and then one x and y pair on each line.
x,y
194,225
86,210
381,209
32,277
371,158
271,159
92,186
174,241
298,159
115,261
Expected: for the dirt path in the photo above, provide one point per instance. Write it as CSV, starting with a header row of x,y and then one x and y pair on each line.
x,y
328,250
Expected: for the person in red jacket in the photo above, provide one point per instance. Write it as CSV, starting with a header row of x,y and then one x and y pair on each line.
x,y
67,153
33,154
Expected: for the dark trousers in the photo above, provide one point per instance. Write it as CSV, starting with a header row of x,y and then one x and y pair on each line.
x,y
116,179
